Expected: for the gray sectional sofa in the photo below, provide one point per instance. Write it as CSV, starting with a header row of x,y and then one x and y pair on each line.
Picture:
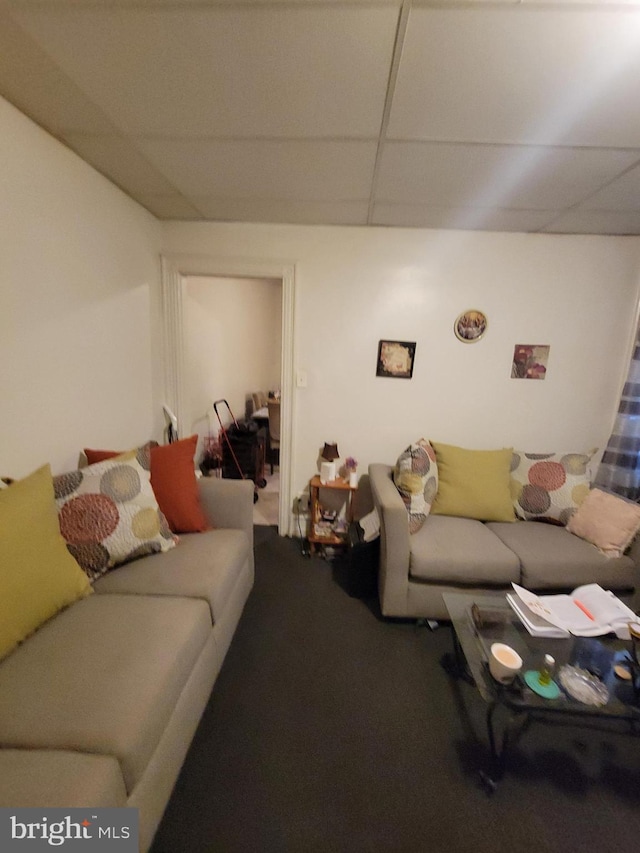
x,y
451,554
98,707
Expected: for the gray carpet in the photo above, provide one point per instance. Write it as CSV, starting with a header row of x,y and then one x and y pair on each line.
x,y
330,729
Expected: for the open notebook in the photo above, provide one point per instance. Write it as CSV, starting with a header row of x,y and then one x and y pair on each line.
x,y
589,611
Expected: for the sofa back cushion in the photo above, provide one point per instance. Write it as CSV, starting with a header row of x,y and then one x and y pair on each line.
x,y
38,576
473,483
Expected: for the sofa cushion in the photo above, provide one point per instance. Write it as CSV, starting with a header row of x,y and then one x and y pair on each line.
x,y
103,677
204,565
607,521
416,478
109,514
461,551
551,557
38,576
473,483
49,778
549,486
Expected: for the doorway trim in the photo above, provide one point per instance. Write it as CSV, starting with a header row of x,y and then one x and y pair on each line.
x,y
174,269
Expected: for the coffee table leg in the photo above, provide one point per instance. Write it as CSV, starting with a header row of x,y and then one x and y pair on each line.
x,y
455,664
498,755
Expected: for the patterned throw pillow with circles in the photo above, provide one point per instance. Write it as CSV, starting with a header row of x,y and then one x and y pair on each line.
x,y
550,486
109,514
416,478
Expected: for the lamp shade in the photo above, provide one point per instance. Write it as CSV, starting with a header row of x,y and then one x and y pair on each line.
x,y
330,451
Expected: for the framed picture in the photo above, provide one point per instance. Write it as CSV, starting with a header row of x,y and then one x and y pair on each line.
x,y
470,326
530,361
395,359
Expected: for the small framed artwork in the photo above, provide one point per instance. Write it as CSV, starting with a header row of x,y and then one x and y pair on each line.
x,y
395,359
530,361
470,326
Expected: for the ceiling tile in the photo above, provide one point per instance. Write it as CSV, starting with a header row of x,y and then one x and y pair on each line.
x,y
241,169
169,206
464,218
32,82
621,194
121,161
282,211
229,71
595,222
520,74
527,177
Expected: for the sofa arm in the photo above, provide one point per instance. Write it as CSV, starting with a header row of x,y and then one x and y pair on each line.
x,y
228,503
393,578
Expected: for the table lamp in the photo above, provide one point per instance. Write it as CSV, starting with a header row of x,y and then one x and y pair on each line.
x,y
328,467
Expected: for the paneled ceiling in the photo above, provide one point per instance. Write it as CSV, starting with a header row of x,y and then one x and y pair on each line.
x,y
478,115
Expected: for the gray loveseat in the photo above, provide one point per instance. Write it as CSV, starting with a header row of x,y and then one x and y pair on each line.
x,y
98,707
451,554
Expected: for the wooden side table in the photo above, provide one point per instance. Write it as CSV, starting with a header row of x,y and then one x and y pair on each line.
x,y
319,536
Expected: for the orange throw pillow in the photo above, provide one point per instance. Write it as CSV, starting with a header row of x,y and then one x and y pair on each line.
x,y
174,483
173,480
94,456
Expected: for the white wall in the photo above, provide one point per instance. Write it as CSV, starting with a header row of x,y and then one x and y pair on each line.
x,y
355,286
78,261
233,343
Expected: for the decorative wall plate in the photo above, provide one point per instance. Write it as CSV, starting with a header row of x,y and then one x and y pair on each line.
x,y
470,326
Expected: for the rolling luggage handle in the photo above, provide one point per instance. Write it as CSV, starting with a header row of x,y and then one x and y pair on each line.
x,y
227,441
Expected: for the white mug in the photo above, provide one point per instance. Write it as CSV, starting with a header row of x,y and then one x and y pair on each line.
x,y
504,663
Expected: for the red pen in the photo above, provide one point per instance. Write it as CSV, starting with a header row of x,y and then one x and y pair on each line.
x,y
584,609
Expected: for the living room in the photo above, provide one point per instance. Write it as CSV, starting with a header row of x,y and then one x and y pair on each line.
x,y
81,259
82,341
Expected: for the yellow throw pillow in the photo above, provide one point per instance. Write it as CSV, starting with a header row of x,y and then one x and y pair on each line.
x,y
38,576
473,483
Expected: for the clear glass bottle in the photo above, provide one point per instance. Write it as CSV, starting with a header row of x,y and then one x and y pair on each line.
x,y
546,670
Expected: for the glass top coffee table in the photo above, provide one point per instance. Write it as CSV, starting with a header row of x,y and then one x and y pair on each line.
x,y
498,623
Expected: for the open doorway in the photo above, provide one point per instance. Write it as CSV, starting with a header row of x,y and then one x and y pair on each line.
x,y
233,351
175,269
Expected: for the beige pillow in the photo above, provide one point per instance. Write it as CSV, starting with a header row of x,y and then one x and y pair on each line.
x,y
608,522
38,576
473,483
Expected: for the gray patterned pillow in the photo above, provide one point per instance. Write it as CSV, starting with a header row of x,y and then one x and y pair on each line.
x,y
416,478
